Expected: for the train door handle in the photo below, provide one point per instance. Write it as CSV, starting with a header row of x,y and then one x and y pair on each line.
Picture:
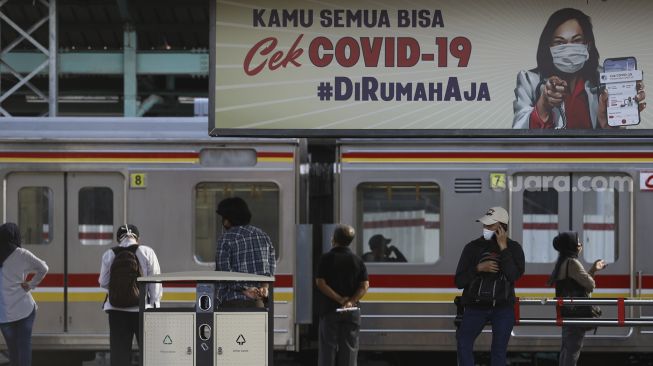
x,y
70,320
60,319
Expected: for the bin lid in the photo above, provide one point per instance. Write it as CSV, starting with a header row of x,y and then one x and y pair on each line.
x,y
204,276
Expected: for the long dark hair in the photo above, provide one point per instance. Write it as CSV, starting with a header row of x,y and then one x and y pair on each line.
x,y
567,246
545,60
10,239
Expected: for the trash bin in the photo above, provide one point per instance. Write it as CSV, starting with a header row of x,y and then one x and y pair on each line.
x,y
204,335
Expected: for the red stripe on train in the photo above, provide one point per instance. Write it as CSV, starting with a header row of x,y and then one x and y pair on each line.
x,y
269,154
389,281
499,155
379,224
554,226
99,155
527,281
95,236
91,280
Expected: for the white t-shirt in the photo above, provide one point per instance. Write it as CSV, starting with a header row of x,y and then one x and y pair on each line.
x,y
149,266
15,302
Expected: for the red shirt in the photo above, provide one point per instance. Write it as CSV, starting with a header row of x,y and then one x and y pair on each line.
x,y
576,110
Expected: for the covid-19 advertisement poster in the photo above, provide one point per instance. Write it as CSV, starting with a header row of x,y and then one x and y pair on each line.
x,y
359,68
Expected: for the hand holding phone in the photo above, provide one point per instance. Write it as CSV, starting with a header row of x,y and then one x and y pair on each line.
x,y
624,98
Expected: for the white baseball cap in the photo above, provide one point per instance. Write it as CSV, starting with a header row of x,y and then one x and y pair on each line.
x,y
494,215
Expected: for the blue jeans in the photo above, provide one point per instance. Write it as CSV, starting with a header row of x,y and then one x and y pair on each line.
x,y
502,319
18,336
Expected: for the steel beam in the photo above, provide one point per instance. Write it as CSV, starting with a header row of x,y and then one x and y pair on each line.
x,y
52,56
111,62
47,59
130,85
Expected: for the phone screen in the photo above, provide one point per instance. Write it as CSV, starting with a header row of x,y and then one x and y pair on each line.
x,y
623,109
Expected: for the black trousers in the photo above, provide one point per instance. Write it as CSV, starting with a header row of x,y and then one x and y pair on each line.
x,y
338,339
123,326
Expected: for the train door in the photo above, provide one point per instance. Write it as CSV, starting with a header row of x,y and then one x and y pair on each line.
x,y
597,206
68,220
94,211
35,202
644,249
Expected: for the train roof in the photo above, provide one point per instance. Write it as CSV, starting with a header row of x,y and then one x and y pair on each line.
x,y
118,129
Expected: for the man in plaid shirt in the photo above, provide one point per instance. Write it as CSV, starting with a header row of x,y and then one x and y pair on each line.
x,y
242,248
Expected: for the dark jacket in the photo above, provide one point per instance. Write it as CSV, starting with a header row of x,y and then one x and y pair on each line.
x,y
511,263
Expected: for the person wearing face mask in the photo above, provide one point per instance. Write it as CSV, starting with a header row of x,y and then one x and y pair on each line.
x,y
123,319
242,248
563,92
487,271
569,272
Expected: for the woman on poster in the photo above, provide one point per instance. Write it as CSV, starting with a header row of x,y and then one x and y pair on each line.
x,y
563,92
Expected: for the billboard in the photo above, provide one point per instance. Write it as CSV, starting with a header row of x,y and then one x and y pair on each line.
x,y
426,68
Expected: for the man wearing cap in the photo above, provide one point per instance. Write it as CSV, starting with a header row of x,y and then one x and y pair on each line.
x,y
382,252
487,271
242,248
123,321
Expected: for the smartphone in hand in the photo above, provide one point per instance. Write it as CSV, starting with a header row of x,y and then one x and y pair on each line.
x,y
623,108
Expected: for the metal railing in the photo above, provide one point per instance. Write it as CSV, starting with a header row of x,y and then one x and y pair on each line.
x,y
620,321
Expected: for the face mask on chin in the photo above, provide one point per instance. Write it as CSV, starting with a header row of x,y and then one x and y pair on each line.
x,y
128,240
570,57
487,234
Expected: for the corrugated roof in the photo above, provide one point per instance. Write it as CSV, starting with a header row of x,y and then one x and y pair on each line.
x,y
98,24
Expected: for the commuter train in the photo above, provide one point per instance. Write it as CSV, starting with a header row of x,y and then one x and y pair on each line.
x,y
70,182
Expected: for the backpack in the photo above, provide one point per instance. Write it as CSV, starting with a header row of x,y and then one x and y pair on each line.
x,y
487,289
125,269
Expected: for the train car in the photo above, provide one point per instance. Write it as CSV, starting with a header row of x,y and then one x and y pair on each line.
x,y
69,184
425,195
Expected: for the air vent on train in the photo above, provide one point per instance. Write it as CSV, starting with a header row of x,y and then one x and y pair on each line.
x,y
468,185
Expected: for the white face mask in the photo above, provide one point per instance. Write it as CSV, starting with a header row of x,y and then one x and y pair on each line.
x,y
570,57
487,234
128,239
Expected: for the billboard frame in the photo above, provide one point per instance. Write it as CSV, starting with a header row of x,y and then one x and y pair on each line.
x,y
215,131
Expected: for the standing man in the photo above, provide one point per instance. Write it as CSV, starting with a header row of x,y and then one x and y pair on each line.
x,y
121,266
242,248
487,271
342,281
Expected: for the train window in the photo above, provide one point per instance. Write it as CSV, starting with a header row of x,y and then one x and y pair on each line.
x,y
400,222
540,225
35,214
599,225
95,216
263,202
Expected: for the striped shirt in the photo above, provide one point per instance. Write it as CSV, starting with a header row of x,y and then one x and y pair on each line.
x,y
244,249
